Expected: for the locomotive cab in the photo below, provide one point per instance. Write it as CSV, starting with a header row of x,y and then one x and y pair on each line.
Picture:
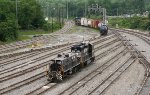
x,y
83,48
85,53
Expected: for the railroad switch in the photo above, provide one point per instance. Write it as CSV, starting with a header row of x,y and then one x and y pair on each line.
x,y
98,71
127,40
142,51
133,45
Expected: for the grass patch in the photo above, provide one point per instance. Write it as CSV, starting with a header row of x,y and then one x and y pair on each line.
x,y
33,32
21,38
81,28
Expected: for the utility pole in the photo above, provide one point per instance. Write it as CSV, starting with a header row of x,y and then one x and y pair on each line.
x,y
53,11
85,9
117,12
17,14
67,10
104,15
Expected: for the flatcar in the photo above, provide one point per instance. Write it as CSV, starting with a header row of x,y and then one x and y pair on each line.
x,y
67,63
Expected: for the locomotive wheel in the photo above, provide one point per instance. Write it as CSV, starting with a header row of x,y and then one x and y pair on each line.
x,y
50,79
75,69
85,63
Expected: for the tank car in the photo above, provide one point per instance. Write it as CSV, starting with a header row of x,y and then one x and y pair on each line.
x,y
65,64
103,29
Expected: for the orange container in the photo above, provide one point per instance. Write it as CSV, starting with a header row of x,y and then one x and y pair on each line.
x,y
97,22
92,23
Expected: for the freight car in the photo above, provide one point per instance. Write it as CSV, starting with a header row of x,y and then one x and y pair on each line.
x,y
65,64
97,24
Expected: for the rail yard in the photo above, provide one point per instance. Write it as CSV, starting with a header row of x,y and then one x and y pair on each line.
x,y
121,65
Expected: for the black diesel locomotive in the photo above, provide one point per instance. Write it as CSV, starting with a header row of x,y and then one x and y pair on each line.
x,y
67,63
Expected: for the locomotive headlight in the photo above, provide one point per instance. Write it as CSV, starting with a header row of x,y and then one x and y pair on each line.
x,y
77,53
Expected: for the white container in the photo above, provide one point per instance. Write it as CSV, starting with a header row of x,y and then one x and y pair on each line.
x,y
85,22
89,22
82,21
100,24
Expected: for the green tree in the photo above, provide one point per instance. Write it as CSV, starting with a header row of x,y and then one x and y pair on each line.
x,y
149,16
30,14
7,21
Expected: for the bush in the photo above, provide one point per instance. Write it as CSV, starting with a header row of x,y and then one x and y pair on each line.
x,y
132,23
47,26
8,31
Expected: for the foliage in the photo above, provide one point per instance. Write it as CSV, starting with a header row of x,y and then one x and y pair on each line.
x,y
149,16
132,23
114,7
32,32
48,26
30,15
7,21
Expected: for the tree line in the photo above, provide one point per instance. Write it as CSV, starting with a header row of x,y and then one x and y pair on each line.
x,y
24,14
114,7
30,14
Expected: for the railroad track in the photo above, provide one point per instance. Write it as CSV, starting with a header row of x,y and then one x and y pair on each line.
x,y
13,57
35,59
142,59
5,61
107,81
11,87
113,77
22,44
51,86
144,37
75,87
20,73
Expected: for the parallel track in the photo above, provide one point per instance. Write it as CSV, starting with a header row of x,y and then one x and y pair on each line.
x,y
31,69
140,56
23,44
101,55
